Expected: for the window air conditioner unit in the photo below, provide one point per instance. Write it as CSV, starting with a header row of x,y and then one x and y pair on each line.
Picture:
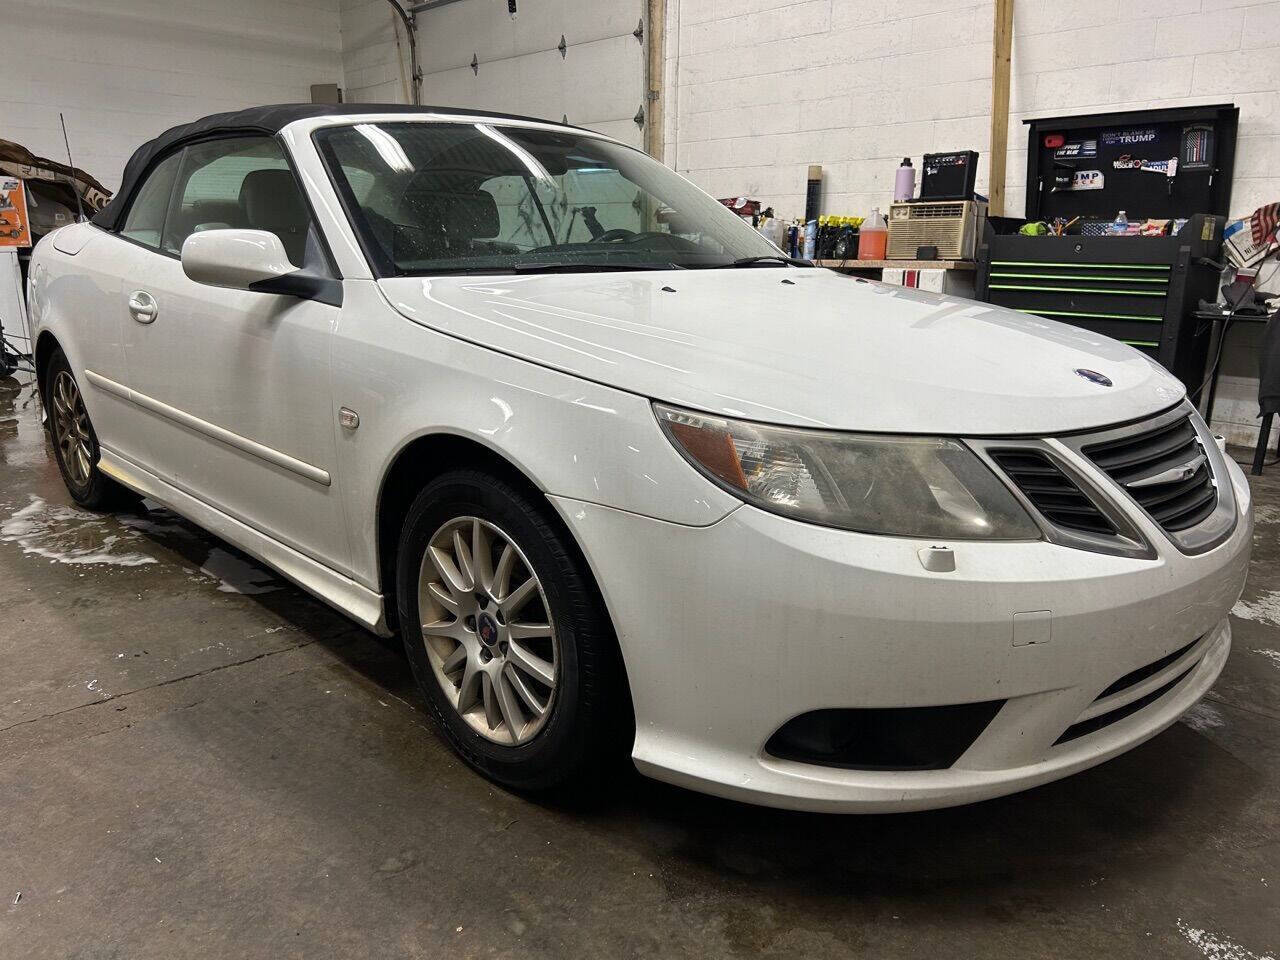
x,y
953,226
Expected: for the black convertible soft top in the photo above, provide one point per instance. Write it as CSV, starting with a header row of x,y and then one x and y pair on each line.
x,y
267,120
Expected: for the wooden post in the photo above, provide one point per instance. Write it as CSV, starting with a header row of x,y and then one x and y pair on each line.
x,y
1001,56
656,69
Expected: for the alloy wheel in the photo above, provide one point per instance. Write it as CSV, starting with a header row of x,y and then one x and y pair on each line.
x,y
71,426
488,631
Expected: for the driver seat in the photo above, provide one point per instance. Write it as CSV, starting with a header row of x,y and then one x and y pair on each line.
x,y
450,222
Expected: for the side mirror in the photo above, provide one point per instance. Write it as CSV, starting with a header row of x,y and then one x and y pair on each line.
x,y
237,259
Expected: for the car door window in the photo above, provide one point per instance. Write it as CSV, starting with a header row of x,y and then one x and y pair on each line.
x,y
244,182
145,220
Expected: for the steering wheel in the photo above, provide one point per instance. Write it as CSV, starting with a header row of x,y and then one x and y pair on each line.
x,y
618,233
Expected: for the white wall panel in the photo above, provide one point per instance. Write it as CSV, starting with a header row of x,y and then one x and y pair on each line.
x,y
449,35
123,70
598,83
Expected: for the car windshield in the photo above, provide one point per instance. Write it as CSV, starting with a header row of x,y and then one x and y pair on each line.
x,y
482,197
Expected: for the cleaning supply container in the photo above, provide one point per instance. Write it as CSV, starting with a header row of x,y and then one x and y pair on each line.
x,y
873,237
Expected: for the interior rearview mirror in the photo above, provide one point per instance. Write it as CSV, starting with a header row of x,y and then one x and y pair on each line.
x,y
237,259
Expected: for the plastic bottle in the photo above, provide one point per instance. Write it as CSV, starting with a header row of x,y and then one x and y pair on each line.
x,y
773,230
1120,226
810,239
820,251
845,244
904,183
874,237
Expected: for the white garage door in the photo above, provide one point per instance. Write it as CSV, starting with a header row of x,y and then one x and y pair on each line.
x,y
598,81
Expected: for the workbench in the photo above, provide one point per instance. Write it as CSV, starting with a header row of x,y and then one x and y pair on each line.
x,y
954,277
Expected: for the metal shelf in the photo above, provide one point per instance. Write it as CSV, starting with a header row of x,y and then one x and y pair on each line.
x,y
897,264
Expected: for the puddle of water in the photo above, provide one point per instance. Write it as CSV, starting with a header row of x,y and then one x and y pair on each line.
x,y
1203,717
235,575
64,534
22,438
158,522
1266,609
1265,513
1216,946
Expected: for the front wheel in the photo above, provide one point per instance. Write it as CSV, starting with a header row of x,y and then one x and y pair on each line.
x,y
506,634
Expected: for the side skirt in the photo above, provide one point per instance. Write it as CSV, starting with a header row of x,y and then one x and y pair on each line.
x,y
343,594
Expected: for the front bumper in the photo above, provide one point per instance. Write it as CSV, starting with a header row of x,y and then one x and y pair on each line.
x,y
728,631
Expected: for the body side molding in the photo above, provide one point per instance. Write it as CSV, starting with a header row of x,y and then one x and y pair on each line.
x,y
252,447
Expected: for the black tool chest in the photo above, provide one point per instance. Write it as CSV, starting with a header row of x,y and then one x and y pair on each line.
x,y
1142,290
1138,289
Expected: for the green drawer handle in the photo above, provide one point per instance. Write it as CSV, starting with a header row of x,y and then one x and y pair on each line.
x,y
1126,293
1090,316
1075,276
1082,266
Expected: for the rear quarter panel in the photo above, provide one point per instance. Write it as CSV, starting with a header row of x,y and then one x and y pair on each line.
x,y
78,298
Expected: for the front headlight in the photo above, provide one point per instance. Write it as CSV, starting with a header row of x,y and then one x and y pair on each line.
x,y
927,487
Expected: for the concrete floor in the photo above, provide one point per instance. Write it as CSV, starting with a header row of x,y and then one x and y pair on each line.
x,y
197,759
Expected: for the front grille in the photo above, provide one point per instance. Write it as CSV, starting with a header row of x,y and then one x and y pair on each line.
x,y
1094,724
1143,673
1052,492
1128,681
1166,470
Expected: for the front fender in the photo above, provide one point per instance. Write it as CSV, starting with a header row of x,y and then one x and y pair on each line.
x,y
570,437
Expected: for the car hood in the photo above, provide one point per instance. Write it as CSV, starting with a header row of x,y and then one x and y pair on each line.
x,y
800,347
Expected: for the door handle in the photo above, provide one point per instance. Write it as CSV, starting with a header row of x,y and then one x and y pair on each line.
x,y
142,306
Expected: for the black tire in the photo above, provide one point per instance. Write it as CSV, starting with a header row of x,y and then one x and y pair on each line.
x,y
97,491
590,718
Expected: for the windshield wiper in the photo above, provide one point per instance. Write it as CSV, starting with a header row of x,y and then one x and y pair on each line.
x,y
570,267
769,259
764,258
555,266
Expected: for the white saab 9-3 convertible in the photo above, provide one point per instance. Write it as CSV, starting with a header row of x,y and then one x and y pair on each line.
x,y
624,478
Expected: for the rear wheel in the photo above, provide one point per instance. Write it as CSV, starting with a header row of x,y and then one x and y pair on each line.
x,y
75,444
507,637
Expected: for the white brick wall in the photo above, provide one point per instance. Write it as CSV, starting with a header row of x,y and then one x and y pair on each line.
x,y
124,70
1153,53
759,89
